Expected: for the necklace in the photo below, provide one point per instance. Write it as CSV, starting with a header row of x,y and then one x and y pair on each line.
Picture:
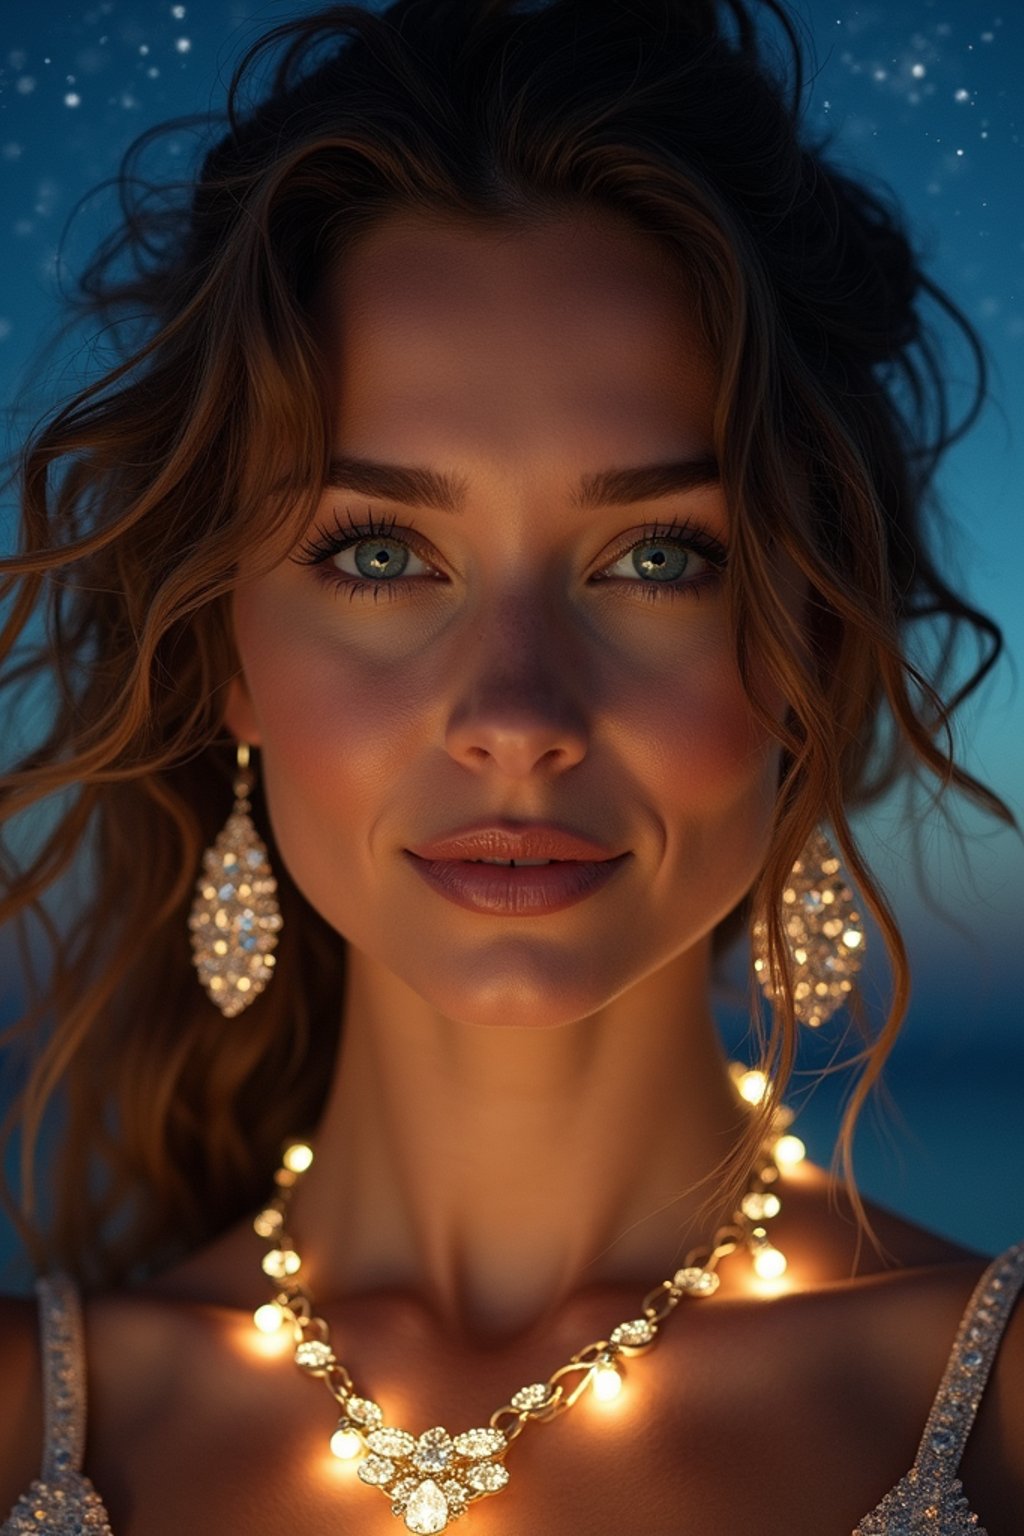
x,y
433,1478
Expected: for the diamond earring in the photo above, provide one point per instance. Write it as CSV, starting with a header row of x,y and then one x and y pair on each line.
x,y
235,919
824,934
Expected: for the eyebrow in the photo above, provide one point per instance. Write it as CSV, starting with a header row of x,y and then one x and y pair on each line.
x,y
448,493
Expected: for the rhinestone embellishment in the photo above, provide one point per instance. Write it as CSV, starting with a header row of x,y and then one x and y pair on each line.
x,y
824,931
364,1413
391,1442
431,1478
313,1355
695,1281
633,1335
61,1501
529,1399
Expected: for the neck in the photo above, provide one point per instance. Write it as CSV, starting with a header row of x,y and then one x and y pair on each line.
x,y
495,1171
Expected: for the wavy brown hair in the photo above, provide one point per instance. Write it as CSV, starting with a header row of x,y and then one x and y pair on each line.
x,y
134,494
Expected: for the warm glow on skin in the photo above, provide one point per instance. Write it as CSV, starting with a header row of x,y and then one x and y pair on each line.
x,y
249,1341
754,1285
381,723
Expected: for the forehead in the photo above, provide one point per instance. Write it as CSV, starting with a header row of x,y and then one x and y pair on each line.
x,y
574,328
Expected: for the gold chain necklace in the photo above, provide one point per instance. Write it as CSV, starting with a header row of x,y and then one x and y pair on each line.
x,y
433,1478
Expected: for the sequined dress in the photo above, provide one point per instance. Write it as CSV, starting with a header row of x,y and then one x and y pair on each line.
x,y
927,1501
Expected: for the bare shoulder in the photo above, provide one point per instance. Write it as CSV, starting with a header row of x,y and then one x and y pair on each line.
x,y
21,1401
898,1313
819,1231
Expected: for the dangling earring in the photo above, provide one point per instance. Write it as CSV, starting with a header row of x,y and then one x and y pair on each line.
x,y
235,918
824,934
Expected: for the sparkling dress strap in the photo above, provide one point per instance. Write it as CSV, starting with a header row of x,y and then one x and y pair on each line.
x,y
61,1501
970,1361
63,1347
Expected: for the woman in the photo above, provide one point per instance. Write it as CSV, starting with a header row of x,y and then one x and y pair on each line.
x,y
506,468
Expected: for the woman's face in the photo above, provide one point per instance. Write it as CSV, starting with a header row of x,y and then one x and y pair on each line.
x,y
541,653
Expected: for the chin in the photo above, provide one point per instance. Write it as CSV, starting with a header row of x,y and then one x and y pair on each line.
x,y
517,989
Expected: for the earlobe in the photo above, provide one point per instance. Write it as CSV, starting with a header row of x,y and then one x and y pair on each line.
x,y
239,714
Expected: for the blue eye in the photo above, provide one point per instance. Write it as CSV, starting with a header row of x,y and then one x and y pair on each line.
x,y
674,559
657,560
364,559
378,559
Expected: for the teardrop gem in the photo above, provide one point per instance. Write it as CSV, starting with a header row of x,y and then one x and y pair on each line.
x,y
427,1510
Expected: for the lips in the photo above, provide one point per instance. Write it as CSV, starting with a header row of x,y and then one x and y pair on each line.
x,y
455,867
515,840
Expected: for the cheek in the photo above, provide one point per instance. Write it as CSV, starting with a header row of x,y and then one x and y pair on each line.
x,y
708,746
335,730
707,771
683,715
719,771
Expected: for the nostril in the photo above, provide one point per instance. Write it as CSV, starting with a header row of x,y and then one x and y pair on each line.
x,y
517,747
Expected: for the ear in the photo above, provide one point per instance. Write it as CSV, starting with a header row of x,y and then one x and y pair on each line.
x,y
239,713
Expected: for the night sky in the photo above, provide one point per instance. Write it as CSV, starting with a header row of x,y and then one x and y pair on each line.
x,y
924,97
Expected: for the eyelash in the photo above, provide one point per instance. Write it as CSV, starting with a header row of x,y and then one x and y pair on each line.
x,y
317,551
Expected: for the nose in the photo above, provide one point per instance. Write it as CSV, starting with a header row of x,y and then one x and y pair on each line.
x,y
518,709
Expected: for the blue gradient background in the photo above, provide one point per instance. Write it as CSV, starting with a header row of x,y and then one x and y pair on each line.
x,y
924,97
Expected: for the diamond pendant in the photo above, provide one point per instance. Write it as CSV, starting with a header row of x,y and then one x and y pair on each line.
x,y
235,918
432,1479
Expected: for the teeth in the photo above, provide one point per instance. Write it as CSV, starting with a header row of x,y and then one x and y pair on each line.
x,y
516,863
